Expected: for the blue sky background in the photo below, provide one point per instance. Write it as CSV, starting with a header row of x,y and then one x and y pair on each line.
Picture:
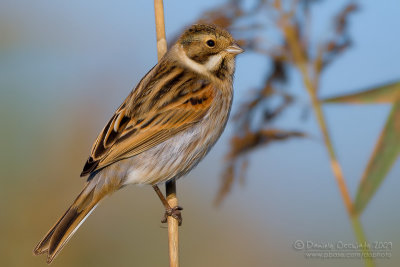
x,y
65,67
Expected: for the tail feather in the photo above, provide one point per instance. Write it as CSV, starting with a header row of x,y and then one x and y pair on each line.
x,y
67,225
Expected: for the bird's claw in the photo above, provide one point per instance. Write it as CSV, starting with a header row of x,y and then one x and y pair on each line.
x,y
175,212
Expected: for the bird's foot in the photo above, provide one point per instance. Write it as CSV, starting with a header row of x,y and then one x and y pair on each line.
x,y
175,212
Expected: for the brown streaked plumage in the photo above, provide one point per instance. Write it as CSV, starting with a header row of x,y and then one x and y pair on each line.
x,y
162,130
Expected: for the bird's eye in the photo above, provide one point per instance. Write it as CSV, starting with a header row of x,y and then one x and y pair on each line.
x,y
210,43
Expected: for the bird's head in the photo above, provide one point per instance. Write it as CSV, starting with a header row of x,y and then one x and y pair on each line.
x,y
210,48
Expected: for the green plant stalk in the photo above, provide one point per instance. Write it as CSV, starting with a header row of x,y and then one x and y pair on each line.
x,y
361,239
300,61
337,171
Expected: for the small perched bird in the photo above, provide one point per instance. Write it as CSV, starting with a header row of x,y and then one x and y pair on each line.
x,y
162,130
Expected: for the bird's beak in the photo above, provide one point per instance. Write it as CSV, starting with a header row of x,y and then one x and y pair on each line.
x,y
234,49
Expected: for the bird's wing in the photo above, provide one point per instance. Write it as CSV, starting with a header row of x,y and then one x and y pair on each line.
x,y
150,116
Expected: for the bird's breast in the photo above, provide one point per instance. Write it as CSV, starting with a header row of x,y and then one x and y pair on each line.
x,y
178,155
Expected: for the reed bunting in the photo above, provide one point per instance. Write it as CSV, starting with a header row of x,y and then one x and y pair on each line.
x,y
166,125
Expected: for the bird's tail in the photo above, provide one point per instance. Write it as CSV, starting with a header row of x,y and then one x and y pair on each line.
x,y
67,225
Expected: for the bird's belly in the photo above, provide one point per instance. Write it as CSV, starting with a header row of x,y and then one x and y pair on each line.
x,y
172,158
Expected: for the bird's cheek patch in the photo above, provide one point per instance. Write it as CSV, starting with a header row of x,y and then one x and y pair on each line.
x,y
213,62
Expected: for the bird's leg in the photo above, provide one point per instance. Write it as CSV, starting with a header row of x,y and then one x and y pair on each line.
x,y
175,212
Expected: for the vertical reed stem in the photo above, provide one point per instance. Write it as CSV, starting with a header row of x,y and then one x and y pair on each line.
x,y
173,237
160,28
170,187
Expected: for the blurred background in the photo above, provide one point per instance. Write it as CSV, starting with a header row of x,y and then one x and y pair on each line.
x,y
66,66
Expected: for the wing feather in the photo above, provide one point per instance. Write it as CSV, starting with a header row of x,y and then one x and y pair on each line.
x,y
147,119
